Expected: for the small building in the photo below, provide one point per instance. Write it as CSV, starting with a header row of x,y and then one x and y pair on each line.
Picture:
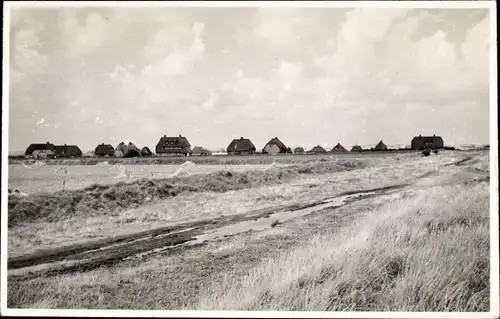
x,y
104,150
43,154
380,146
241,146
274,147
317,150
146,151
172,145
200,151
40,147
356,148
299,150
68,151
132,151
423,142
127,150
339,149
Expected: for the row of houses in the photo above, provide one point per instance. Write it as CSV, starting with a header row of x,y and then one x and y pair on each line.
x,y
179,145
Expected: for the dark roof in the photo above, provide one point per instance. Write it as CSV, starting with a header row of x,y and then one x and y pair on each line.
x,y
173,144
317,149
276,141
201,150
381,146
68,150
104,149
241,145
146,151
339,148
39,147
427,138
356,148
298,149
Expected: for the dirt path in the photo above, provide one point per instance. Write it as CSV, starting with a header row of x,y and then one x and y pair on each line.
x,y
177,238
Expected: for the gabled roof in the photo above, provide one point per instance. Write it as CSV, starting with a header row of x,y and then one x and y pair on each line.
x,y
200,150
179,141
317,149
339,148
104,149
276,141
427,138
40,146
356,148
146,151
241,145
381,146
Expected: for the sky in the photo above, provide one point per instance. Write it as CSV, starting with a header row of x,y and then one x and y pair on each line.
x,y
308,76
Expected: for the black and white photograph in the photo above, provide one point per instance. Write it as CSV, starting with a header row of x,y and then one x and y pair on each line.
x,y
277,159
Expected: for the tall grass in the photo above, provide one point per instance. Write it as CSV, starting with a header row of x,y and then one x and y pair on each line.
x,y
103,199
428,253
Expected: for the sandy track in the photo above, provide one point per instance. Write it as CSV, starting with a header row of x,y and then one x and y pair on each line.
x,y
94,254
179,237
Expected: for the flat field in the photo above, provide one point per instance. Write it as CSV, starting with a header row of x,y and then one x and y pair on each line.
x,y
364,232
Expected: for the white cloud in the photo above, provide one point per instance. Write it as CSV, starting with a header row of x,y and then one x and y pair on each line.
x,y
101,71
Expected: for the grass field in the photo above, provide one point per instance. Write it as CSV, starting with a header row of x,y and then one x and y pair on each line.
x,y
392,232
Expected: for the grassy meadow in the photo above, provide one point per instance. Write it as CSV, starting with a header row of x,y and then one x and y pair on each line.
x,y
414,236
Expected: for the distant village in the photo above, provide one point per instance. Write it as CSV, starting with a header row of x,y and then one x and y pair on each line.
x,y
180,146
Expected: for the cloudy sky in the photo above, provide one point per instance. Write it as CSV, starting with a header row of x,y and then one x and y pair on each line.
x,y
306,75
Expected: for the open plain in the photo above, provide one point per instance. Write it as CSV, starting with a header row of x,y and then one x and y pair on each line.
x,y
356,232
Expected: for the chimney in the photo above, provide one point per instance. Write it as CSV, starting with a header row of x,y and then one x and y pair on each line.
x,y
165,135
241,138
180,135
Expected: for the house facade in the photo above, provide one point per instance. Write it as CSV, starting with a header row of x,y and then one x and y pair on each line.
x,y
170,145
68,151
274,147
40,147
241,146
104,150
200,151
423,142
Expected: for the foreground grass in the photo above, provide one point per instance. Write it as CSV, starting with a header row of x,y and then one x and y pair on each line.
x,y
429,253
189,206
423,252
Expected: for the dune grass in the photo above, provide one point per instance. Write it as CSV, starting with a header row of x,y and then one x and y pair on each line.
x,y
429,253
102,199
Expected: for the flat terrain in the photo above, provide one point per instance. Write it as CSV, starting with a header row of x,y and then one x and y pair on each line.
x,y
392,232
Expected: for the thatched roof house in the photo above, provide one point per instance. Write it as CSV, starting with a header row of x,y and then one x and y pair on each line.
x,y
127,150
104,150
423,142
380,146
173,145
317,150
40,147
356,148
132,151
299,150
68,151
275,146
146,151
200,151
339,149
241,146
